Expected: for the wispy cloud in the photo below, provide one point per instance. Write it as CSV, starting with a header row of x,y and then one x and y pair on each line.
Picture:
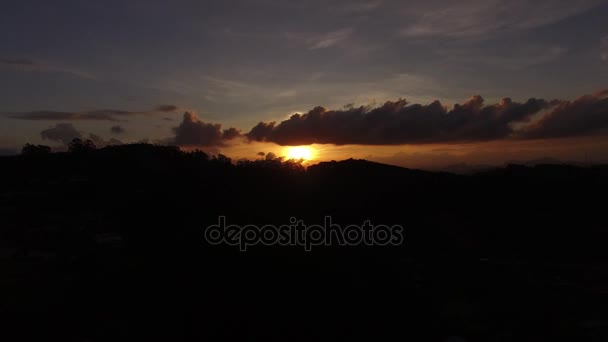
x,y
21,63
302,93
329,39
26,64
477,18
220,89
536,56
523,57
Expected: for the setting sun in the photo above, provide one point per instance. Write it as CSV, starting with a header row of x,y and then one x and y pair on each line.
x,y
299,152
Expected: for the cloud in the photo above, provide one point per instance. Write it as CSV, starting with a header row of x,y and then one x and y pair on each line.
x,y
99,115
117,129
62,132
522,57
398,122
231,133
26,64
167,108
103,114
257,98
262,131
329,39
477,18
66,132
20,63
194,132
587,115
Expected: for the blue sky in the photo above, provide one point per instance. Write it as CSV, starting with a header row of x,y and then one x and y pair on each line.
x,y
241,62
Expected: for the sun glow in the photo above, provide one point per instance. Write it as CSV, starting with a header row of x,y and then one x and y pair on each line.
x,y
299,152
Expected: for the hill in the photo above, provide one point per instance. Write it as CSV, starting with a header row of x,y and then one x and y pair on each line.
x,y
111,244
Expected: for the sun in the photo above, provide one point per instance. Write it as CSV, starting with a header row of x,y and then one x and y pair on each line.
x,y
299,152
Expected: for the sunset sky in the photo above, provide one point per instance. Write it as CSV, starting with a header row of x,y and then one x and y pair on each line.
x,y
472,81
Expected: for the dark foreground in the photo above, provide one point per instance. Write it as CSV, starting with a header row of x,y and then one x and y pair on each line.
x,y
108,245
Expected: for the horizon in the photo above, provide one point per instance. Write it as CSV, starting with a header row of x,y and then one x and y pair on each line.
x,y
423,85
306,157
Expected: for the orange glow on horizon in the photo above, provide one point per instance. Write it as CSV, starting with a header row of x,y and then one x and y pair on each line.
x,y
305,153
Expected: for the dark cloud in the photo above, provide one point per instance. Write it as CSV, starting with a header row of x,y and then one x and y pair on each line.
x,y
62,132
398,122
587,115
99,115
27,64
20,63
393,123
261,131
231,133
117,129
167,108
194,132
66,132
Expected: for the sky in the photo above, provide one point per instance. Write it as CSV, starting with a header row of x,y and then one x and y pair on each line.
x,y
420,83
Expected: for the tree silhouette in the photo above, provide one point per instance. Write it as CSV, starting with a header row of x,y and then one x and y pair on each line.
x,y
222,159
35,150
81,146
199,155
